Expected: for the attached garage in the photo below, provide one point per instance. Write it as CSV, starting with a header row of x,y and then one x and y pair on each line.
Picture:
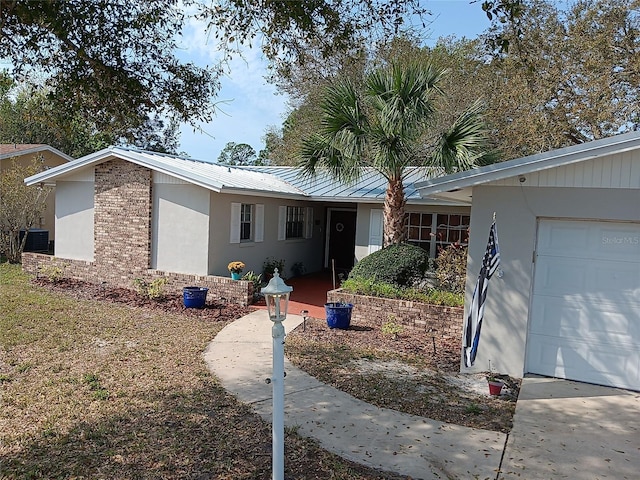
x,y
567,301
585,306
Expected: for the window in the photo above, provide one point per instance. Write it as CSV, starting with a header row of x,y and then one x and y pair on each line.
x,y
247,223
246,214
433,231
295,222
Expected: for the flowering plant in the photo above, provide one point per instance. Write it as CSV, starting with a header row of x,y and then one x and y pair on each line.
x,y
236,267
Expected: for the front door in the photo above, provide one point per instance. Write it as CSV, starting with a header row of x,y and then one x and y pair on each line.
x,y
342,239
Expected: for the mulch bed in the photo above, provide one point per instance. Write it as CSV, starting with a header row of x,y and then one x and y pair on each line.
x,y
219,311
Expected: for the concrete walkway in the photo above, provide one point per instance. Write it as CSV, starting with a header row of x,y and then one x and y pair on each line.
x,y
565,429
562,429
240,356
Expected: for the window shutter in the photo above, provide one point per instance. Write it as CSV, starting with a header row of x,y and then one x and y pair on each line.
x,y
308,223
259,223
375,230
234,235
282,223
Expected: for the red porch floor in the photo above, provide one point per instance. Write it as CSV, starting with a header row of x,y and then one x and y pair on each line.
x,y
309,293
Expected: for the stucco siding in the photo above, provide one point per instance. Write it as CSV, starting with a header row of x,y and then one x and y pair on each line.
x,y
180,228
74,220
309,251
504,330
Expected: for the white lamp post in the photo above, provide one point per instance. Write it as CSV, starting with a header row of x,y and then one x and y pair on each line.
x,y
275,293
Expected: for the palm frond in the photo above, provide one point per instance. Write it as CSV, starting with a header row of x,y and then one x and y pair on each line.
x,y
466,144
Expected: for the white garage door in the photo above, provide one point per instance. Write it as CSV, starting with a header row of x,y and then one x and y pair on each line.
x,y
584,321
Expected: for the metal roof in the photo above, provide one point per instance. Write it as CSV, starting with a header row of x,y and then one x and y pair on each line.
x,y
453,184
272,181
371,186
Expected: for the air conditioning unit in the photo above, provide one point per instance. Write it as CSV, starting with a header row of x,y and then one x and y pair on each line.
x,y
37,240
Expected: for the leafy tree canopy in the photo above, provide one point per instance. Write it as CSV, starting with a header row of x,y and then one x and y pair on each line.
x,y
239,154
28,115
570,74
111,59
115,60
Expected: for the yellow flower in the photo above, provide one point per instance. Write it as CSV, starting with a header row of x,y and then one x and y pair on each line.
x,y
236,267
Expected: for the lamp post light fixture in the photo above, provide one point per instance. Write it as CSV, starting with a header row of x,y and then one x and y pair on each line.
x,y
276,295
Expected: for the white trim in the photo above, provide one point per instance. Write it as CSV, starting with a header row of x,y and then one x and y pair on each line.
x,y
234,229
282,222
308,222
258,235
376,227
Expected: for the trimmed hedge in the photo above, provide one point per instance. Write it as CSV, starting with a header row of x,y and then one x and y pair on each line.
x,y
401,265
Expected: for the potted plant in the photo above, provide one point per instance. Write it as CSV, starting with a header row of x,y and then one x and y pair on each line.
x,y
269,266
495,382
236,269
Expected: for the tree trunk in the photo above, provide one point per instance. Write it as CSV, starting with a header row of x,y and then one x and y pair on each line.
x,y
394,224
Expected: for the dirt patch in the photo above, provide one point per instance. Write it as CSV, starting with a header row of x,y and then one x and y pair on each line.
x,y
403,371
77,289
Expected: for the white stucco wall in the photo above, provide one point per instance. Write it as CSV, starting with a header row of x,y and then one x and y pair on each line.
x,y
504,330
74,220
308,251
180,228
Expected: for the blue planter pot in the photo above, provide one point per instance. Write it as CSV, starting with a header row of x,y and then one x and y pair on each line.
x,y
235,276
338,315
194,297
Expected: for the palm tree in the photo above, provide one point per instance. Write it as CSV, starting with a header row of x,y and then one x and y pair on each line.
x,y
391,125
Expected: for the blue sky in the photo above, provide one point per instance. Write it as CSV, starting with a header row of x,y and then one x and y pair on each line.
x,y
248,104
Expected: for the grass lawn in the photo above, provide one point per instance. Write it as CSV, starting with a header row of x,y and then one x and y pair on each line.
x,y
93,389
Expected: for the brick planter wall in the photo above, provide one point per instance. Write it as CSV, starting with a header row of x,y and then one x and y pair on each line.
x,y
234,291
443,323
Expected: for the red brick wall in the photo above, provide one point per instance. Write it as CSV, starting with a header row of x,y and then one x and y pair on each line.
x,y
443,323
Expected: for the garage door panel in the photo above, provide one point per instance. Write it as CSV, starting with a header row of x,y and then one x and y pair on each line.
x,y
584,319
560,277
613,241
597,322
588,278
586,362
561,239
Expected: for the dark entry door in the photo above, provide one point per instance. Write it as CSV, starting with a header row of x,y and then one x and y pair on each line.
x,y
342,238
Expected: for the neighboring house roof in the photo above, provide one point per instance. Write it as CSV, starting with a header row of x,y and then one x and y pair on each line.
x,y
260,181
458,186
9,150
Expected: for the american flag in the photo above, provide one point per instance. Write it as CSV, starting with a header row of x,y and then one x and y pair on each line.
x,y
472,328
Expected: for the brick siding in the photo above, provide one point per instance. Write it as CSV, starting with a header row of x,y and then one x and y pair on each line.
x,y
443,323
122,232
122,218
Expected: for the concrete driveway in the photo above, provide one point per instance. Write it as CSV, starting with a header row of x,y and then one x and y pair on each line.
x,y
565,429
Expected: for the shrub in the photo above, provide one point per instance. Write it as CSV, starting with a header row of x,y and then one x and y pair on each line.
x,y
401,265
452,268
372,288
153,290
53,273
269,266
